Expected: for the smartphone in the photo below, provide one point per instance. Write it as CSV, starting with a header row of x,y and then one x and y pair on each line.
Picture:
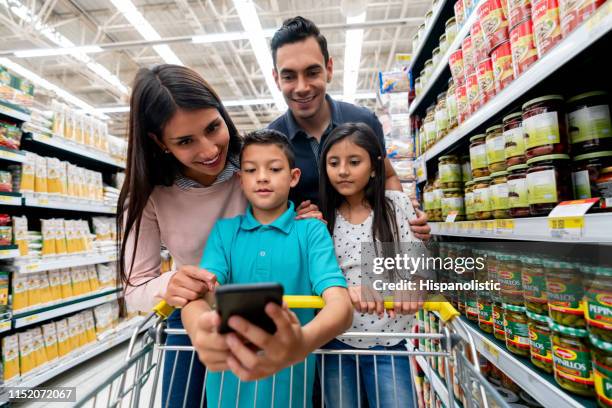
x,y
248,301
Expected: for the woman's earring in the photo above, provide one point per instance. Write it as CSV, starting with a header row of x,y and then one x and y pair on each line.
x,y
167,151
372,175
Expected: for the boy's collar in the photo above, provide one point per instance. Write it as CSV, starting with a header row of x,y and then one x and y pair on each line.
x,y
282,223
335,118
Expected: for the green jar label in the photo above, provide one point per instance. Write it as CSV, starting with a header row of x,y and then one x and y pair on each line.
x,y
599,307
437,201
603,381
466,172
430,131
451,105
450,172
534,288
517,193
517,334
496,149
514,142
510,282
441,120
590,124
541,130
485,313
469,203
542,187
573,365
482,200
539,343
563,293
471,308
478,157
498,318
582,185
499,196
428,200
452,204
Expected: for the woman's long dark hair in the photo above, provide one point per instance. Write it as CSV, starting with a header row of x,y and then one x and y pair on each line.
x,y
384,225
156,96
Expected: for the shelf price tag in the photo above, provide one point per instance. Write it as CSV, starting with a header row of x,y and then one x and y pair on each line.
x,y
566,220
5,325
31,318
504,227
420,169
451,216
32,267
491,349
7,199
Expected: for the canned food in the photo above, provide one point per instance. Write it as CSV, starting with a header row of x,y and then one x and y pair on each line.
x,y
459,12
518,10
485,80
463,108
546,25
501,58
524,52
473,96
456,66
572,13
493,23
467,48
478,40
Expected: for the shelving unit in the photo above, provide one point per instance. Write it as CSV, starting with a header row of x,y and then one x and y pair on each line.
x,y
8,252
63,204
419,55
66,262
11,155
10,110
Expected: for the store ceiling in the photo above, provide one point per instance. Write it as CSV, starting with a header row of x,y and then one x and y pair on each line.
x,y
230,66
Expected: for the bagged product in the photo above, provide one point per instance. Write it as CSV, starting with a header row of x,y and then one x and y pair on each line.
x,y
73,332
26,357
79,128
20,292
45,288
58,118
102,228
64,346
94,282
61,246
90,327
87,131
6,182
33,288
38,347
50,340
10,356
20,231
84,276
103,317
105,276
63,176
54,186
55,284
71,180
28,173
77,284
40,180
80,183
114,313
66,281
48,235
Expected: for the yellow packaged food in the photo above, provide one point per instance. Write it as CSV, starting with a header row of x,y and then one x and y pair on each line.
x,y
69,124
73,332
90,328
87,131
63,176
66,280
28,172
20,292
50,340
48,234
45,288
33,289
63,338
20,231
40,178
80,182
26,358
38,347
10,356
71,180
69,231
53,176
55,284
59,118
82,330
60,236
94,281
79,129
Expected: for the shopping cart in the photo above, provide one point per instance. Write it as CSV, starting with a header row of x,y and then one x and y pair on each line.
x,y
136,382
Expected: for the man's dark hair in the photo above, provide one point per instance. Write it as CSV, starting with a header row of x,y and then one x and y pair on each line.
x,y
297,29
269,137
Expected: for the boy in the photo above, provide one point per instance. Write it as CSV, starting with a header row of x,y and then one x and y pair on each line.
x,y
268,244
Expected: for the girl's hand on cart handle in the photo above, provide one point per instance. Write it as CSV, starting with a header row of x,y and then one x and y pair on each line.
x,y
308,210
211,346
406,302
189,283
366,300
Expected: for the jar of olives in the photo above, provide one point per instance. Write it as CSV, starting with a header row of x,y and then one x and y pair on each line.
x,y
564,292
478,156
498,321
517,330
514,139
572,359
499,194
482,198
437,200
597,294
428,199
548,182
544,126
453,202
496,156
441,115
430,126
601,356
590,127
533,280
539,341
451,105
485,314
449,169
469,200
466,169
509,270
517,191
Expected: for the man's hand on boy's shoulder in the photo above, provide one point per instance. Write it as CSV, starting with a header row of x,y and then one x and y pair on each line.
x,y
307,209
274,352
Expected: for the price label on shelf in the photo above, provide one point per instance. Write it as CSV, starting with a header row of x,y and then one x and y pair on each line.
x,y
5,325
566,220
451,216
9,155
32,267
420,169
486,227
31,318
491,349
504,227
7,199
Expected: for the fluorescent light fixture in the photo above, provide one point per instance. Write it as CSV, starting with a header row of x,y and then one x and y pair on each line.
x,y
352,57
49,52
136,19
250,21
231,36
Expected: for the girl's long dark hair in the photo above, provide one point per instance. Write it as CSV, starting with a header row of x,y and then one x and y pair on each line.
x,y
384,225
157,94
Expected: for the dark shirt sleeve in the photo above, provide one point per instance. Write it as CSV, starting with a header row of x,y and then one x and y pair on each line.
x,y
378,131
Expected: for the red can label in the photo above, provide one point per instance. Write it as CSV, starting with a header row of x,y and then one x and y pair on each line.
x,y
493,23
485,80
480,51
546,26
573,12
456,67
467,48
523,47
473,96
518,10
463,108
501,58
459,12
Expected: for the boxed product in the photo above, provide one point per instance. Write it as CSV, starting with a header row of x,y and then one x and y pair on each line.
x,y
20,292
26,356
38,347
64,345
10,356
55,284
50,340
20,233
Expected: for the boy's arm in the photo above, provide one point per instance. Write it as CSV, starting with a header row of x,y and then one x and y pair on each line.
x,y
334,319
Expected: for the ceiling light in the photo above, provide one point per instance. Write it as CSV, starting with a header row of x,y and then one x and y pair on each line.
x,y
352,57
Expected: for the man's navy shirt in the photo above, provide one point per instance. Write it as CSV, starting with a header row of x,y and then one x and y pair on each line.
x,y
308,150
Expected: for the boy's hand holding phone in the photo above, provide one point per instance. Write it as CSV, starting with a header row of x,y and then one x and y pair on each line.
x,y
189,283
211,346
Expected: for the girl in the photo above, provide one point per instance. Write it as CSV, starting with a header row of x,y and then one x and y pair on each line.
x,y
359,211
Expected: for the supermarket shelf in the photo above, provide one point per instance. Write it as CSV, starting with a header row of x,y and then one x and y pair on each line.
x,y
443,64
5,325
71,306
7,109
437,384
596,229
582,38
417,55
77,149
49,371
59,204
12,155
539,386
10,198
9,251
67,262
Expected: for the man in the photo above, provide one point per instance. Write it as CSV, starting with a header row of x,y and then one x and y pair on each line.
x,y
302,70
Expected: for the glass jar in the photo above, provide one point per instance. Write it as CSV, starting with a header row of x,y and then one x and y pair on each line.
x,y
604,186
453,201
443,45
441,115
539,341
427,20
466,169
478,156
514,139
498,322
598,308
548,182
435,58
451,30
572,359
544,126
428,200
420,34
437,202
496,158
469,200
509,272
423,77
564,292
430,126
428,69
449,169
517,330
451,105
499,194
533,279
517,191
415,41
586,170
590,127
422,140
485,314
418,87
482,199
601,357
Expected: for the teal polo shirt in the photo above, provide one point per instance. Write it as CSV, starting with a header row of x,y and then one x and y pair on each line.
x,y
299,254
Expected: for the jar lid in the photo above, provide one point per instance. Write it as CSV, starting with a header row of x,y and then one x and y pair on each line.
x,y
450,21
476,137
450,81
493,128
548,157
430,108
600,270
422,25
514,308
442,95
517,167
451,190
428,13
479,179
538,317
542,99
448,156
599,343
531,260
586,95
570,331
435,51
606,170
442,36
504,257
429,62
513,116
594,155
499,174
417,80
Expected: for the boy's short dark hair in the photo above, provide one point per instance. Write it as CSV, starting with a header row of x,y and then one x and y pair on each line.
x,y
269,137
294,30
